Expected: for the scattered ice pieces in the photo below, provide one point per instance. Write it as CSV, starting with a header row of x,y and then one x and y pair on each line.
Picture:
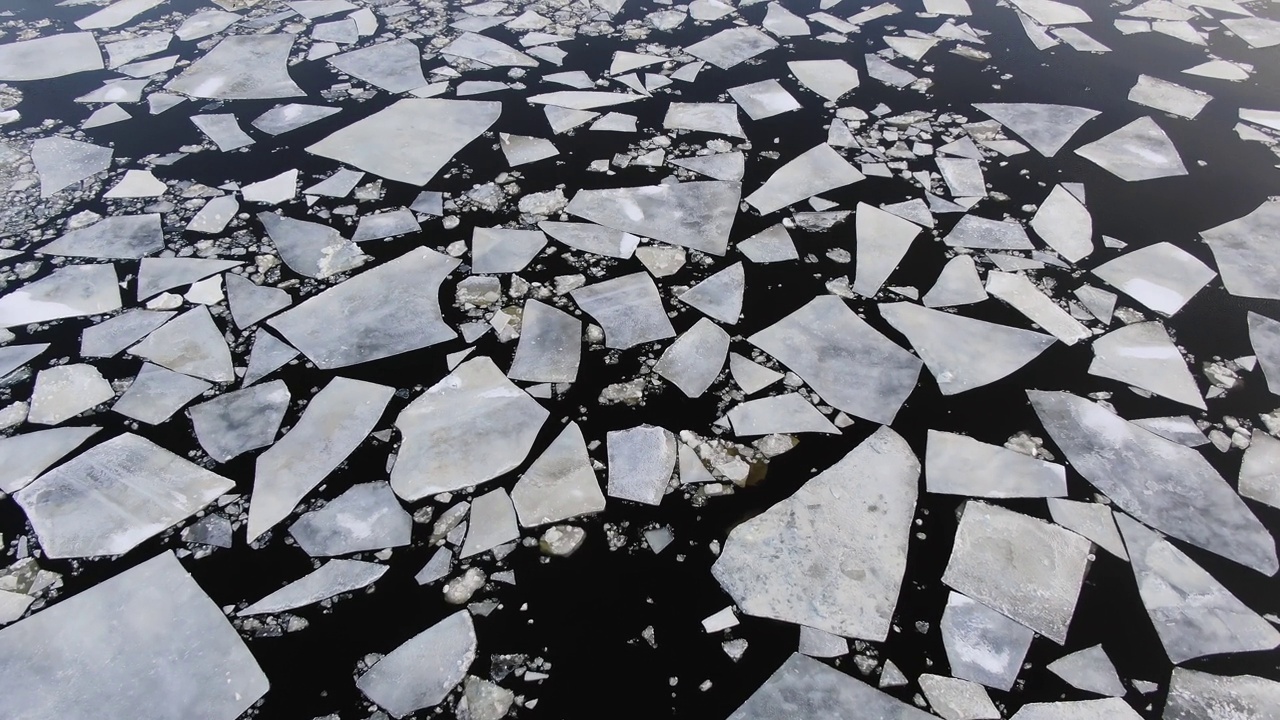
x,y
1105,709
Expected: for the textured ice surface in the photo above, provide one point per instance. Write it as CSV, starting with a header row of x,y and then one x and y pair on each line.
x,y
268,355
61,162
1089,670
1137,151
957,284
121,236
500,250
421,672
71,291
592,238
250,303
1169,97
641,460
1106,709
1143,355
333,578
237,422
695,359
311,249
385,225
720,118
729,166
817,643
64,391
1264,335
750,375
394,66
155,275
629,309
805,688
829,78
697,215
814,171
1026,298
488,51
49,57
979,232
1260,470
1244,254
1201,696
560,484
1045,127
981,644
956,699
1162,276
959,465
364,517
241,67
763,99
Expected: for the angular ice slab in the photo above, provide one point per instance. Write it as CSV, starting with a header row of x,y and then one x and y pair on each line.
x,y
491,523
120,236
155,275
550,345
963,353
1245,253
1093,520
721,118
799,561
730,166
71,291
156,394
1143,355
311,249
849,363
112,497
1063,222
1193,614
960,465
352,322
488,51
250,303
471,427
1151,478
956,699
814,171
421,672
190,343
24,457
1137,151
629,309
695,359
241,67
237,422
61,162
592,238
806,688
882,241
394,66
1044,127
269,354
335,422
502,250
364,517
1023,295
957,284
1105,709
64,391
1260,470
731,47
411,140
1089,670
147,644
719,296
1162,276
641,460
560,484
1024,568
829,78
333,578
982,645
49,57
979,232
1200,696
697,215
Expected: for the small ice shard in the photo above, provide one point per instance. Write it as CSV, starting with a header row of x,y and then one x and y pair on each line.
x,y
963,177
522,149
373,328
335,422
394,66
956,699
311,249
576,101
628,308
783,23
719,296
963,353
982,645
882,70
488,51
560,484
499,250
423,671
1100,303
764,99
831,79
751,376
1168,97
817,643
979,232
1089,670
144,642
789,413
797,562
1143,355
882,241
730,166
471,427
695,359
1243,252
137,184
48,57
1150,478
959,465
640,461
241,67
1024,568
191,344
491,523
224,130
846,361
250,303
1201,696
1064,223
206,23
1192,613
1044,127
411,140
806,688
156,394
24,457
550,345
1021,294
119,236
364,517
214,216
624,62
1260,470
771,245
64,391
268,355
78,509
1162,277
282,119
390,223
731,47
719,118
1105,709
1137,151
592,238
957,284
439,566
213,530
1091,520
333,578
155,275
237,422
814,171
71,291
61,162
696,215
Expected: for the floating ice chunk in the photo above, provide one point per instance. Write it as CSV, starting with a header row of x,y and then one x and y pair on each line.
x,y
492,522
364,517
421,672
272,191
764,99
963,353
1100,303
206,23
880,69
958,284
499,250
49,57
155,275
1162,277
1105,709
24,457
1143,355
846,361
1150,478
224,130
981,644
411,140
241,67
137,184
797,563
732,46
237,422
522,150
560,484
1257,32
72,291
979,232
62,163
719,296
575,79
1045,127
789,413
723,166
697,215
721,118
882,241
804,687
813,172
439,566
250,303
335,422
628,308
13,357
469,428
333,578
1089,670
1260,470
156,394
13,605
312,9
956,699
1137,151
282,119
616,122
1050,12
107,115
109,337
339,184
563,120
386,224
591,238
119,236
1064,223
64,391
641,460
213,530
695,359
550,345
1169,97
268,355
963,177
831,79
959,465
691,468
1078,40
1181,430
768,246
1192,613
581,100
1200,696
1091,520
191,344
1021,294
751,376
783,23
214,216
1243,252
1022,567
116,14
1218,69
817,643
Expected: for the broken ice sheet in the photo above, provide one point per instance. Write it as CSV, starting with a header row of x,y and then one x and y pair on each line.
x,y
629,309
488,51
143,644
24,457
422,671
157,393
813,172
364,517
959,465
71,291
1105,709
560,484
732,46
882,241
224,130
550,345
471,427
333,578
1260,470
250,303
215,215
1137,151
49,57
500,250
394,66
719,296
640,461
1244,254
1023,295
1162,276
118,236
1143,355
1063,222
491,522
1089,670
1169,97
695,359
1091,520
789,413
522,149
720,118
237,422
62,162
697,215
981,644
768,246
963,177
592,238
979,232
763,99
64,391
956,699
1045,127
831,79
721,166
797,563
112,497
311,249
268,355
155,275
957,284
241,67
190,343
292,116
806,688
